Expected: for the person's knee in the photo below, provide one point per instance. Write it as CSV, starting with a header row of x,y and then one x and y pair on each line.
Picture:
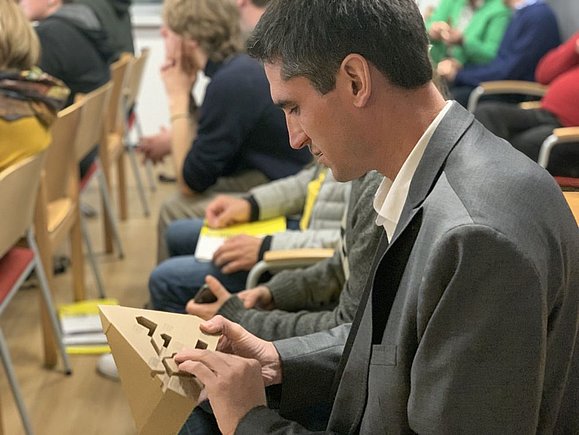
x,y
181,237
159,285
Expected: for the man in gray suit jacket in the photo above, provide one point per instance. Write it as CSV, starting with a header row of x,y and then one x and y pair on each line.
x,y
470,317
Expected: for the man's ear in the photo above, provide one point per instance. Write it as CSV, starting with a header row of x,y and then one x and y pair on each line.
x,y
356,72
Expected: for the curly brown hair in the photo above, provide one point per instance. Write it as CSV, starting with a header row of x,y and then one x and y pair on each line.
x,y
214,24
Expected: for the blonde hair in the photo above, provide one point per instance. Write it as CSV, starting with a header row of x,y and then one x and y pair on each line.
x,y
19,45
214,24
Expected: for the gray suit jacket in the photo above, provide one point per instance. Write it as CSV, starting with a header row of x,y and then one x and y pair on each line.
x,y
470,319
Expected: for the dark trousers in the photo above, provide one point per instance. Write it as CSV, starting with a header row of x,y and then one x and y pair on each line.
x,y
526,130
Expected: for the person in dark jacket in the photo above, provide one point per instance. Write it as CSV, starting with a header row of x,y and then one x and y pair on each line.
x,y
75,48
115,19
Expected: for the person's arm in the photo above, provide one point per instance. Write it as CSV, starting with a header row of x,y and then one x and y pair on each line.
x,y
558,61
481,317
178,84
285,196
482,47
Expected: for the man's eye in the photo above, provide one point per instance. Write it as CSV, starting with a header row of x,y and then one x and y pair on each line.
x,y
294,110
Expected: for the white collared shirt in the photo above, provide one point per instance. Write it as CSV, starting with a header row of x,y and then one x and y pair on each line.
x,y
391,195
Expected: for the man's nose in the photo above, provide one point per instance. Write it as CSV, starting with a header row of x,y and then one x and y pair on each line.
x,y
298,138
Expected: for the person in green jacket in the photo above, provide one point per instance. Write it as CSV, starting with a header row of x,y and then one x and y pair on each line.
x,y
468,31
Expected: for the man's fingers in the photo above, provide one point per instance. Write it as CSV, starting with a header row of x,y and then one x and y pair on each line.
x,y
220,325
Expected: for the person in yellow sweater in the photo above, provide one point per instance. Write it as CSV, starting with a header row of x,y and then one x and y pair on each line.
x,y
29,98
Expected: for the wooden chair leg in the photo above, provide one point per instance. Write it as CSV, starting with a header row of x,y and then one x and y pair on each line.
x,y
77,260
122,187
104,185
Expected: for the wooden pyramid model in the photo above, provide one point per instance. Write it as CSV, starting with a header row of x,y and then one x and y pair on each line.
x,y
143,343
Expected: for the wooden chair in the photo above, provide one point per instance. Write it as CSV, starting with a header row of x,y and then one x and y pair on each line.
x,y
57,216
132,123
275,261
57,211
112,143
559,136
18,190
89,133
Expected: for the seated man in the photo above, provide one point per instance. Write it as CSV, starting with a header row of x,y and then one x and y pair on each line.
x,y
527,129
313,192
241,140
533,31
300,302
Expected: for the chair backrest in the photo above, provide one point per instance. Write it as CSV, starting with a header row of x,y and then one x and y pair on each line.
x,y
92,120
18,190
120,71
136,78
61,166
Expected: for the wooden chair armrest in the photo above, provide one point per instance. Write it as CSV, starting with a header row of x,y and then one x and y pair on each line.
x,y
567,134
560,135
505,87
514,87
312,254
274,261
528,105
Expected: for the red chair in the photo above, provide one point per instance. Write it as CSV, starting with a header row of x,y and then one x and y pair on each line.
x,y
18,190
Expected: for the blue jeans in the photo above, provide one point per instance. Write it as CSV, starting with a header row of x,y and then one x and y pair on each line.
x,y
176,280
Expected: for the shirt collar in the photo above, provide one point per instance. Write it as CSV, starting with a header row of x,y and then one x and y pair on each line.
x,y
391,195
526,3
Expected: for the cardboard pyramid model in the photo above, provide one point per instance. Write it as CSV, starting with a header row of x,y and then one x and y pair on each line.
x,y
143,343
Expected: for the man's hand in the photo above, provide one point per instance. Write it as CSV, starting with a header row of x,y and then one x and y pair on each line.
x,y
237,253
451,37
259,297
234,383
155,148
226,210
177,72
437,29
207,311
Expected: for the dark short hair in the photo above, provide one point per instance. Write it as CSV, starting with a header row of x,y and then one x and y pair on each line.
x,y
311,38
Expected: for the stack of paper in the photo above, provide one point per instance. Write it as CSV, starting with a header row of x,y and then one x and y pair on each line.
x,y
211,239
81,327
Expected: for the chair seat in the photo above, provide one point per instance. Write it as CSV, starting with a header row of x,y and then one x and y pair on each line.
x,y
12,265
58,212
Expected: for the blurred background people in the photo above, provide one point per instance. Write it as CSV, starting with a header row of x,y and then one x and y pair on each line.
x,y
241,138
467,31
115,19
532,32
527,129
29,99
75,48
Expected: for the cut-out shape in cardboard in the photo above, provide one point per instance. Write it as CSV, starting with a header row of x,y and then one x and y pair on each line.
x,y
143,343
